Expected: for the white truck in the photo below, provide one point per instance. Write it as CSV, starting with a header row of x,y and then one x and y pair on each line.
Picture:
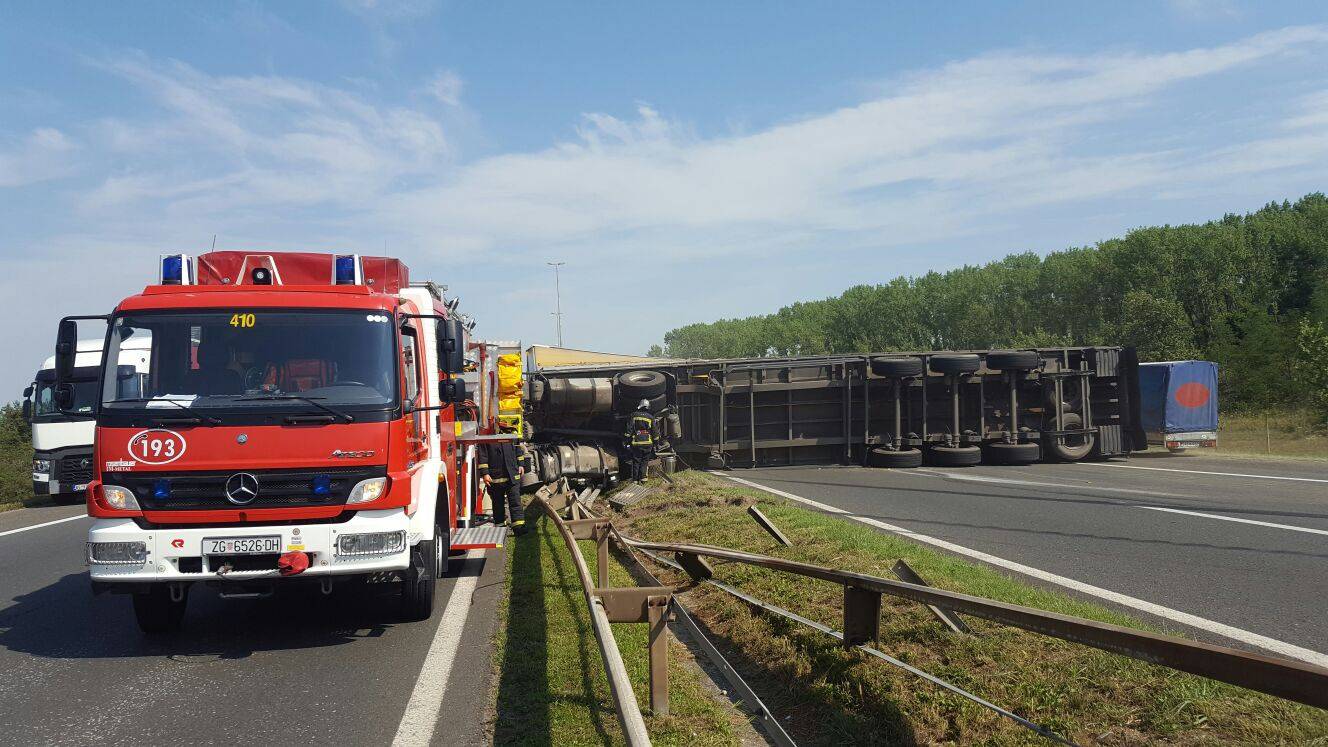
x,y
62,442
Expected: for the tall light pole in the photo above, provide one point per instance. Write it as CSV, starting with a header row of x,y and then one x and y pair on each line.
x,y
558,298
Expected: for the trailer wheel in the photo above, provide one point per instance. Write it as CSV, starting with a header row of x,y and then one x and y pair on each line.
x,y
881,457
417,586
1014,360
897,368
156,612
639,385
954,456
1070,452
955,363
1003,453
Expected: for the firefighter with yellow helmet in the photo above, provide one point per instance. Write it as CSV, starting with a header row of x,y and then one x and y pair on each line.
x,y
640,438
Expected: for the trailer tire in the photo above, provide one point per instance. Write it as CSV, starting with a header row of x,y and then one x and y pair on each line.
x,y
954,456
882,457
156,612
897,368
955,363
417,586
1068,452
639,385
1014,360
1003,453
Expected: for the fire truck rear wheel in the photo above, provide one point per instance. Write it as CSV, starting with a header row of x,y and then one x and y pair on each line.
x,y
156,612
443,551
418,585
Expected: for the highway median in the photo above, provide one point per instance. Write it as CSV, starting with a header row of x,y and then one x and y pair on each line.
x,y
825,694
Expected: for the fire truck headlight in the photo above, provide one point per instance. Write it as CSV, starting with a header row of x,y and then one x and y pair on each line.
x,y
119,498
117,553
367,491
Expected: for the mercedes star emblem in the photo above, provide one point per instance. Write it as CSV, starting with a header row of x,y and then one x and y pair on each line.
x,y
242,488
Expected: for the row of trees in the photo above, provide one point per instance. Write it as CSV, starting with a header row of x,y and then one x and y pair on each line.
x,y
1250,292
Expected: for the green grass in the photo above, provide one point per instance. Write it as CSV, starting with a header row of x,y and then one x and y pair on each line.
x,y
1286,433
551,686
15,460
836,696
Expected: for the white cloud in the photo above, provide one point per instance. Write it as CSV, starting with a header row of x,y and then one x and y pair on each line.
x,y
445,86
726,224
44,154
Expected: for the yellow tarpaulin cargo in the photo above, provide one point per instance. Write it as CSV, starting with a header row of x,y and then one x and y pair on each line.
x,y
509,375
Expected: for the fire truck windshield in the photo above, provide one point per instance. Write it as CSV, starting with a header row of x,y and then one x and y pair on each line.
x,y
267,359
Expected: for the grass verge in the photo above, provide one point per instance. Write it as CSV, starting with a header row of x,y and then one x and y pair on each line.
x,y
835,696
1286,433
551,686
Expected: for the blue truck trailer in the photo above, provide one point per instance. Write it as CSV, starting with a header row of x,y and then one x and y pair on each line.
x,y
1178,403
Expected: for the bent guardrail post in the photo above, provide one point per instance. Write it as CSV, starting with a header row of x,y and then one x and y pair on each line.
x,y
768,526
949,620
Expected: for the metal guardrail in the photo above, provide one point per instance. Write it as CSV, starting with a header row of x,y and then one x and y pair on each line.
x,y
1284,678
620,686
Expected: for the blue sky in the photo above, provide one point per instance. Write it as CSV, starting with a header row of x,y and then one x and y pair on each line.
x,y
727,157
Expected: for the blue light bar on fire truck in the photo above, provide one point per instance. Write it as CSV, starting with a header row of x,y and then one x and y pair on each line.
x,y
347,269
176,269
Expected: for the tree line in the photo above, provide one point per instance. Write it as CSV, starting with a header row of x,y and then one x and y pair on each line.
x,y
1248,291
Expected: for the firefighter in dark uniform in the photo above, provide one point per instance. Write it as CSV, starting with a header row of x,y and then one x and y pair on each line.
x,y
501,467
640,437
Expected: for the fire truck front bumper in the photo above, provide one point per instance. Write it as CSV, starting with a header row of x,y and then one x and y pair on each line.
x,y
370,543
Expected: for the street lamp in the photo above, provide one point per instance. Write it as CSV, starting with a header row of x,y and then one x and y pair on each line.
x,y
558,298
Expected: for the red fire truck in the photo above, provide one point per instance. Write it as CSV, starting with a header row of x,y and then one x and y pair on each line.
x,y
303,416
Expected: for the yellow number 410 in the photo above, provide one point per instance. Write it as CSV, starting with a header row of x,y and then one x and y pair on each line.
x,y
242,320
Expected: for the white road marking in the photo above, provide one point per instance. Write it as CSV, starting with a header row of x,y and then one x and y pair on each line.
x,y
1233,518
1201,472
1030,483
426,700
1184,618
43,524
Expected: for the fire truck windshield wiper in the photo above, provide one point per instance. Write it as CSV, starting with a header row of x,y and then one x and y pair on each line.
x,y
205,419
300,397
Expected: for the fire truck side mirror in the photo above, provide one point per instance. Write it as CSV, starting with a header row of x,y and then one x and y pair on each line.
x,y
451,346
452,390
27,406
66,347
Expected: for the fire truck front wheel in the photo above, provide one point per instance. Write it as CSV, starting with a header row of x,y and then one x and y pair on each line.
x,y
158,610
417,586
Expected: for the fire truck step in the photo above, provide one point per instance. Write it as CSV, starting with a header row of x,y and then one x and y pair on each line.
x,y
478,538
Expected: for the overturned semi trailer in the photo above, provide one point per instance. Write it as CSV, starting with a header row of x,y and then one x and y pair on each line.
x,y
952,408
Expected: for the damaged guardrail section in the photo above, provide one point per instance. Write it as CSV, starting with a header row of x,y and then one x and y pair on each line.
x,y
1293,680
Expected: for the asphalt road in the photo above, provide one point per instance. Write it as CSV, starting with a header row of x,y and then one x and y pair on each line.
x,y
292,669
1250,550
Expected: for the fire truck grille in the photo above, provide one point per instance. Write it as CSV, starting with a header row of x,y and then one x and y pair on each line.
x,y
195,491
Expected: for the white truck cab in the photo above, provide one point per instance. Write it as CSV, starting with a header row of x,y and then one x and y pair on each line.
x,y
62,443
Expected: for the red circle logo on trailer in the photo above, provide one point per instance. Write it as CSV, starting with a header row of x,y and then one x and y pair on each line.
x,y
1192,394
156,446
